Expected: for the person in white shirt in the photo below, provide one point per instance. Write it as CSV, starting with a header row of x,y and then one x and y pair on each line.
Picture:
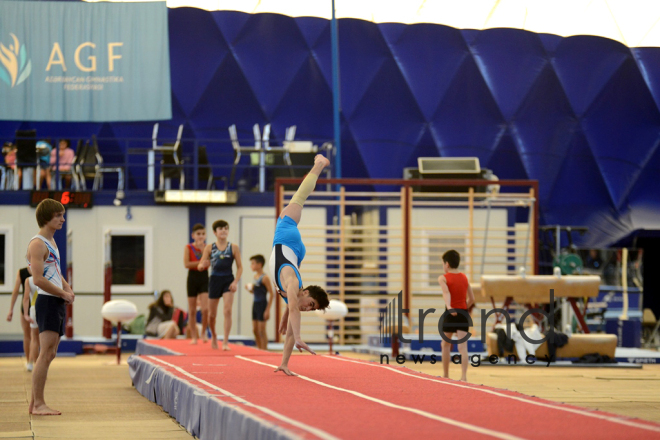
x,y
54,293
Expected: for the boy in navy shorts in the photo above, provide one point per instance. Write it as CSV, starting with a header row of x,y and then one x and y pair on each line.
x,y
263,298
220,256
54,293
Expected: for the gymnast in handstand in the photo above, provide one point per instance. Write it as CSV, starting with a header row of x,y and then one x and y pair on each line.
x,y
288,253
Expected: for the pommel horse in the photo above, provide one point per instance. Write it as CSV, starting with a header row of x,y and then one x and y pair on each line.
x,y
532,290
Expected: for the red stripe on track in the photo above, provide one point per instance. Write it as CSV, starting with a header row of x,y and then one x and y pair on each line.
x,y
500,410
204,349
335,412
514,395
341,413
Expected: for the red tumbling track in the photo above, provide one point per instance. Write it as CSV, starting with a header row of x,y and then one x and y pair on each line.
x,y
182,346
345,398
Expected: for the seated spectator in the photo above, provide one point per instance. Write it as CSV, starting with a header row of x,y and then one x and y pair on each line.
x,y
65,161
9,152
160,323
44,149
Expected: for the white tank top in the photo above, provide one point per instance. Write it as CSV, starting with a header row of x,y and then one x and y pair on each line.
x,y
52,271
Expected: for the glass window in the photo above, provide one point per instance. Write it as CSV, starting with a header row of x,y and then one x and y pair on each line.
x,y
7,274
2,260
127,259
129,250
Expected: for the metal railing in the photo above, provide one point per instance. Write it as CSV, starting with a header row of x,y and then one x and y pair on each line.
x,y
141,164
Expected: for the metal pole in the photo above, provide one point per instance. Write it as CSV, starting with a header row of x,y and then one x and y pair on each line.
x,y
483,253
557,243
529,229
335,92
151,163
118,343
262,170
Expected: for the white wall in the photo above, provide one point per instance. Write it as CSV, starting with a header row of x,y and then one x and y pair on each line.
x,y
252,228
169,228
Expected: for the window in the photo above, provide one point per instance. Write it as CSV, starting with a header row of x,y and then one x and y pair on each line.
x,y
129,251
6,267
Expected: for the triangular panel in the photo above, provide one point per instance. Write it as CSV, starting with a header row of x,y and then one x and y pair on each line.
x,y
230,23
510,61
386,124
191,70
362,52
468,117
505,160
428,68
584,64
543,128
425,148
307,103
312,29
269,63
228,100
622,132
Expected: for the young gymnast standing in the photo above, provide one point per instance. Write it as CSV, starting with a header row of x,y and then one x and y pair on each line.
x,y
220,256
197,282
53,295
457,294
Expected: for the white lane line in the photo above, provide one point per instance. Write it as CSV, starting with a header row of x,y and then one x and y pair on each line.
x,y
467,426
520,399
211,365
317,432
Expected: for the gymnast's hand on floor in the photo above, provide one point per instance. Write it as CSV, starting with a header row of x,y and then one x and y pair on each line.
x,y
286,371
300,345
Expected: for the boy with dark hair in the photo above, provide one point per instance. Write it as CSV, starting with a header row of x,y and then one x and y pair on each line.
x,y
261,288
198,281
457,294
54,293
220,256
288,253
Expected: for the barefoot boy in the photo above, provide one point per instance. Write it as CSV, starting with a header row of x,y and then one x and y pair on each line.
x,y
457,294
197,283
53,295
263,298
220,256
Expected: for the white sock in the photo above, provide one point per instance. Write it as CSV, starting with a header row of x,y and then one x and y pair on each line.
x,y
29,366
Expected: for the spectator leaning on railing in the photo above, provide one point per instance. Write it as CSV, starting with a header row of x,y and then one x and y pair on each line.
x,y
65,162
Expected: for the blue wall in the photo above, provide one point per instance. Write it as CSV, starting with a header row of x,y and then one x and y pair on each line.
x,y
579,114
